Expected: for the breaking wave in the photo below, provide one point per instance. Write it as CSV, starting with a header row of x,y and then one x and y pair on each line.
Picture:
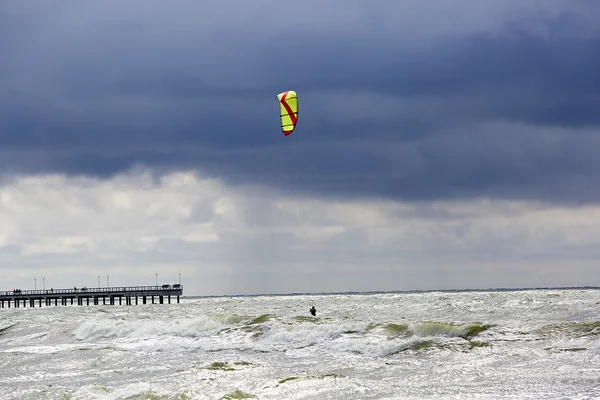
x,y
272,333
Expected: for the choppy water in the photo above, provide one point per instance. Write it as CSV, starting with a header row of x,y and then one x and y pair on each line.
x,y
542,344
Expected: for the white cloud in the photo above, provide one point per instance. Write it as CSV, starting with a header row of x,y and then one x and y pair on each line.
x,y
225,239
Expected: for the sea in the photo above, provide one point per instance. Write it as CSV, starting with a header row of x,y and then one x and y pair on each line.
x,y
494,344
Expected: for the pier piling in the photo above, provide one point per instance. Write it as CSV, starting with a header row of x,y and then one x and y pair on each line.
x,y
18,298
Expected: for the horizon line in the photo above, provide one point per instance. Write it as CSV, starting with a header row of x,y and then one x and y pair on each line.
x,y
499,289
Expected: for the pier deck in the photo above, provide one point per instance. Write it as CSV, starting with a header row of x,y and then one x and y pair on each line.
x,y
79,296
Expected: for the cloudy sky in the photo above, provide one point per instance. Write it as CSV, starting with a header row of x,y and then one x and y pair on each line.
x,y
440,144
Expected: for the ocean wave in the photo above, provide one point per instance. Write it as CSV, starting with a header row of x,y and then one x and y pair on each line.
x,y
448,329
272,333
571,329
98,329
5,327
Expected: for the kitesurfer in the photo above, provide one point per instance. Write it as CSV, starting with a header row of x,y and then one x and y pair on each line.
x,y
313,311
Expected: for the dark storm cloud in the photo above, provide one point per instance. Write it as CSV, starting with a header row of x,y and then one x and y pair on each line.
x,y
400,101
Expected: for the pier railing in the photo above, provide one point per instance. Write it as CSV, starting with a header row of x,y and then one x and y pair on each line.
x,y
95,290
97,295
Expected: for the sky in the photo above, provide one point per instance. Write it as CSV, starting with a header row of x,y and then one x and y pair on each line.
x,y
439,145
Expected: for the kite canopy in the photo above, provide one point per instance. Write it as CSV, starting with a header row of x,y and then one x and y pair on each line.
x,y
288,106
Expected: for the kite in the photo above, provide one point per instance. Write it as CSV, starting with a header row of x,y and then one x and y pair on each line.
x,y
288,106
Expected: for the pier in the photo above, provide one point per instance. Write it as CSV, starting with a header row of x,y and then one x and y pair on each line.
x,y
95,296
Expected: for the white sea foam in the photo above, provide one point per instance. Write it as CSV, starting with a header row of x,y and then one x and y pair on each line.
x,y
481,345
